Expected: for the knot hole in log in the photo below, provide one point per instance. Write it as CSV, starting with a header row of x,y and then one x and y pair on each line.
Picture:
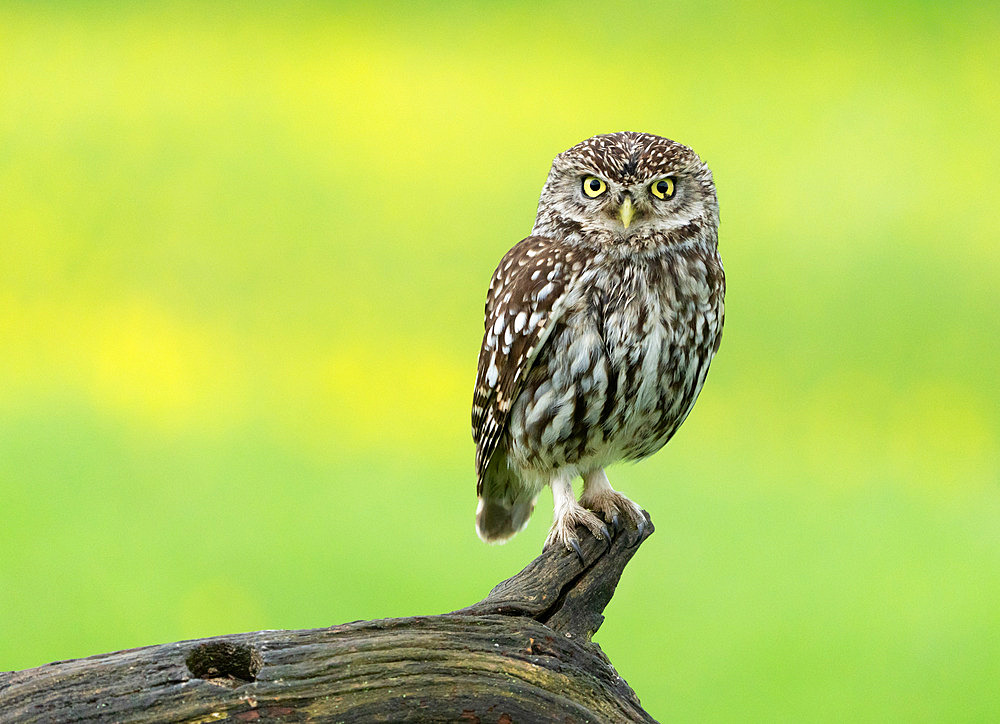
x,y
218,659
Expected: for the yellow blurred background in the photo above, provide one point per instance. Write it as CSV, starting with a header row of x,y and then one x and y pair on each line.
x,y
244,250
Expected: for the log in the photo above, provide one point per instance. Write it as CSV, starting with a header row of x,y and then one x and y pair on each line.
x,y
522,654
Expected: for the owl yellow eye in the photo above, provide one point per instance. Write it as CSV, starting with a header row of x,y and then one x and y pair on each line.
x,y
662,189
594,187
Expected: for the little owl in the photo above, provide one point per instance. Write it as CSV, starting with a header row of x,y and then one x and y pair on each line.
x,y
600,327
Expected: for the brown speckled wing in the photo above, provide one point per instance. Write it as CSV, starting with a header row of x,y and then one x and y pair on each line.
x,y
522,304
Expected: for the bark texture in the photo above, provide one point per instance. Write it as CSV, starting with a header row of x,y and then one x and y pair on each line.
x,y
522,654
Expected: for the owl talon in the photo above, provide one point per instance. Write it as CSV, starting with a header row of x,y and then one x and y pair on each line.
x,y
614,507
640,530
563,531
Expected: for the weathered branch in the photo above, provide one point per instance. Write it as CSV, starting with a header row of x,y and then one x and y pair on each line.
x,y
522,654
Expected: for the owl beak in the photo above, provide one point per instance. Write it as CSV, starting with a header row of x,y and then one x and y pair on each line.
x,y
626,211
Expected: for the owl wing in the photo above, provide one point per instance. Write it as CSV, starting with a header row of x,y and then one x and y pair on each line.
x,y
525,298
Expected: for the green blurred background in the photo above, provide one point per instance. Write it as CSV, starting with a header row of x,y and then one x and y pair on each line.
x,y
243,256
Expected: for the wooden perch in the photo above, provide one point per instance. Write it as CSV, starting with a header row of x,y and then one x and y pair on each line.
x,y
522,654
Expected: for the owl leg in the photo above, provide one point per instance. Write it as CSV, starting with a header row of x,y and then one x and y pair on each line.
x,y
599,496
569,514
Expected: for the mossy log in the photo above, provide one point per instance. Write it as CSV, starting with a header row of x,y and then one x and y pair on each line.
x,y
522,654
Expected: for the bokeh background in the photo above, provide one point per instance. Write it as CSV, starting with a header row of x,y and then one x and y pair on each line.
x,y
243,256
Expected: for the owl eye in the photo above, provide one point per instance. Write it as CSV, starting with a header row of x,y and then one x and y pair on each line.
x,y
594,187
662,189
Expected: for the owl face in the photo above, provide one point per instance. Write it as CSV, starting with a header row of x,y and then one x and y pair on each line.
x,y
627,189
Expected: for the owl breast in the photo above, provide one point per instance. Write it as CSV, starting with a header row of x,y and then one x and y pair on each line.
x,y
623,366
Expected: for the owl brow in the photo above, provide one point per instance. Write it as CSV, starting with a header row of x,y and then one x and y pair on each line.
x,y
584,171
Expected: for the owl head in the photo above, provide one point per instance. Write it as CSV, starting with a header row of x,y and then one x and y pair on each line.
x,y
628,191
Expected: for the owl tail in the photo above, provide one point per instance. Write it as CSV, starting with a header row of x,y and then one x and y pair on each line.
x,y
505,504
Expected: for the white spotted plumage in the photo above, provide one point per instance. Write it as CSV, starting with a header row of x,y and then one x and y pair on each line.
x,y
598,333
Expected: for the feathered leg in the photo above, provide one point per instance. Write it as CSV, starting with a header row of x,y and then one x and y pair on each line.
x,y
569,514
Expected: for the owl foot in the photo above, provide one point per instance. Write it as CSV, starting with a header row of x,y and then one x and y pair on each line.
x,y
563,531
614,507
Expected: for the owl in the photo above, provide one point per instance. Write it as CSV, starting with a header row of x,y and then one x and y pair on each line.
x,y
600,327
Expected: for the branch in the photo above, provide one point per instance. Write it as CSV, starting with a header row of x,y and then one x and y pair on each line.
x,y
522,654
